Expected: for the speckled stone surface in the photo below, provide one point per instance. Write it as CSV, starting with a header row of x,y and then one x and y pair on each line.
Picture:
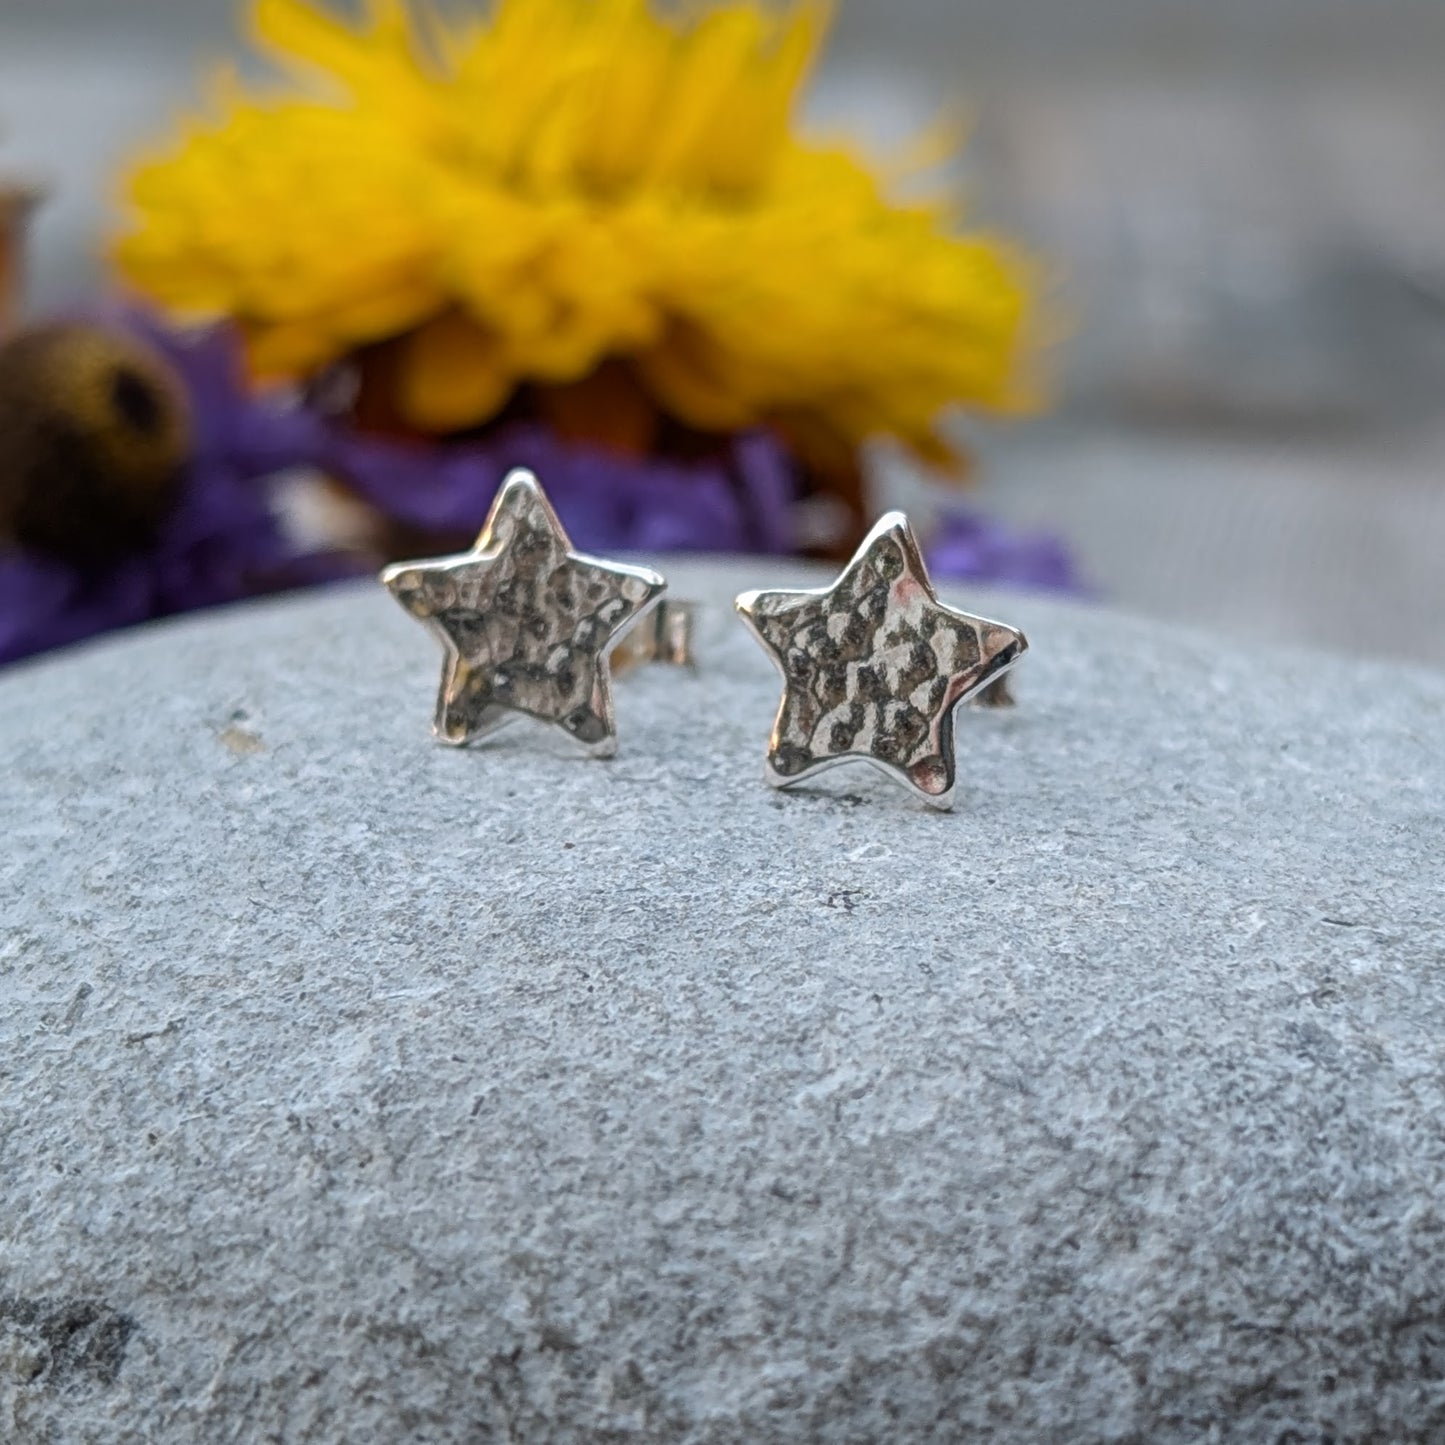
x,y
358,1089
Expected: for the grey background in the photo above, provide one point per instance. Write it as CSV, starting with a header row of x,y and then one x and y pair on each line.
x,y
973,36
1243,208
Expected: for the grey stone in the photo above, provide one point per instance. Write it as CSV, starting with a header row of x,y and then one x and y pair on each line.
x,y
358,1089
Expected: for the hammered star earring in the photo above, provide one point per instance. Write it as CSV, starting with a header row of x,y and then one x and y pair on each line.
x,y
528,624
875,666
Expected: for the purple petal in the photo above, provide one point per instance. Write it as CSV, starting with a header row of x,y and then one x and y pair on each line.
x,y
968,546
738,501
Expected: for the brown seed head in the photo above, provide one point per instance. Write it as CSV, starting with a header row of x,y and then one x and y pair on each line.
x,y
94,435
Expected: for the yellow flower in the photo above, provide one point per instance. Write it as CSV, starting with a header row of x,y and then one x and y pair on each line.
x,y
573,185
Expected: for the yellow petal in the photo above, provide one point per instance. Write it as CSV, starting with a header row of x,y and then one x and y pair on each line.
x,y
570,185
452,375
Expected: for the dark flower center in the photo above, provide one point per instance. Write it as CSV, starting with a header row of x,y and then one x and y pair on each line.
x,y
135,401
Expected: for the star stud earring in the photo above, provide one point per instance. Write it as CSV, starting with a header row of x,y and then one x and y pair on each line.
x,y
528,623
874,667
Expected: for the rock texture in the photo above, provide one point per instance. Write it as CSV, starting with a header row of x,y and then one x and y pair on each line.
x,y
355,1088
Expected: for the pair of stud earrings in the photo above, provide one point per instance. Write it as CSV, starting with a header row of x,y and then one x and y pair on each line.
x,y
873,667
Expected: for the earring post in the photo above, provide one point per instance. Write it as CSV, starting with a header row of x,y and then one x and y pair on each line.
x,y
665,635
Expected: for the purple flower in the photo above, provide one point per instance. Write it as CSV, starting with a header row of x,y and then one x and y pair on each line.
x,y
225,540
739,500
968,546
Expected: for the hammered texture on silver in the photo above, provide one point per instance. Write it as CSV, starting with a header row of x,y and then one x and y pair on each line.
x,y
526,621
874,666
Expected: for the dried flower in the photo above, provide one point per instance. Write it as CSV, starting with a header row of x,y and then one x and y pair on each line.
x,y
971,547
576,184
94,430
739,499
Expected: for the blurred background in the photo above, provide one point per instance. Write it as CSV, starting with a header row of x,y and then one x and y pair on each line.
x,y
1243,202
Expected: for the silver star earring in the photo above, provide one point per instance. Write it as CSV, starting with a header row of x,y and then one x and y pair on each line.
x,y
528,624
874,667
